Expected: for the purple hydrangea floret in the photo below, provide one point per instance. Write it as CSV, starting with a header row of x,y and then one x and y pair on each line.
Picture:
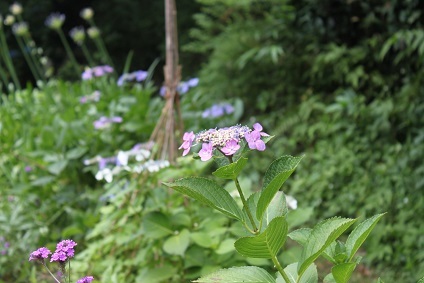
x,y
97,71
218,110
40,254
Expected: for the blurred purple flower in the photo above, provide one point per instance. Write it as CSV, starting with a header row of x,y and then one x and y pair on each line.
x,y
40,254
104,122
218,110
86,279
97,71
182,88
28,168
138,76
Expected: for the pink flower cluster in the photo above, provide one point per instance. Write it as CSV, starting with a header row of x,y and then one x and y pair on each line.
x,y
86,279
64,250
226,140
97,71
40,254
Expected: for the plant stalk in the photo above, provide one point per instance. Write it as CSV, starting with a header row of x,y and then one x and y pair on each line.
x,y
29,61
249,214
280,269
51,273
69,51
8,60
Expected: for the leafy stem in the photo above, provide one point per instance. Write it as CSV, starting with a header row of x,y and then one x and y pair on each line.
x,y
243,199
280,269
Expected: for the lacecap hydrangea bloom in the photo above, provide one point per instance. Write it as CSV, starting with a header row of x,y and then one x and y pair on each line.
x,y
226,140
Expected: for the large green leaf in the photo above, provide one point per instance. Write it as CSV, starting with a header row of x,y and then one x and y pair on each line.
x,y
300,235
177,244
359,234
310,275
243,274
157,274
232,170
266,244
342,272
156,225
278,172
208,192
322,235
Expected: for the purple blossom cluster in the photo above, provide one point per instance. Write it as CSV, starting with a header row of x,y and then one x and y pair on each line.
x,y
105,122
40,254
94,97
64,250
86,279
218,110
182,87
97,71
137,76
226,140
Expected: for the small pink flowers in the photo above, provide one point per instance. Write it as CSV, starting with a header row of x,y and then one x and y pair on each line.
x,y
40,254
226,140
97,71
86,279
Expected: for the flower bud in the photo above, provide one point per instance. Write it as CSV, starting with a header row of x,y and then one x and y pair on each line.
x,y
93,32
87,13
9,20
16,9
20,29
55,21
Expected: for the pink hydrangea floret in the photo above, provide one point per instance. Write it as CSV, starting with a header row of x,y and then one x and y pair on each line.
x,y
231,147
206,152
188,139
254,138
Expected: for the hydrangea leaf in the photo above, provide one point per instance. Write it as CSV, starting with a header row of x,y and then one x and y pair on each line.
x,y
310,275
342,272
156,225
210,193
322,235
232,170
360,233
300,235
278,172
177,244
266,244
242,274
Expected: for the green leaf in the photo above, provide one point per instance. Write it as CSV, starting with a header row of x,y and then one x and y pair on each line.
x,y
208,192
329,279
202,239
266,244
276,208
300,235
359,234
342,272
156,225
156,274
322,235
76,152
177,244
57,167
278,172
232,170
243,274
299,216
310,275
226,246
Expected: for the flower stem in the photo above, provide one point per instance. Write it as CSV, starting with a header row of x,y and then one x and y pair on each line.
x,y
8,60
51,273
280,269
69,51
27,58
87,55
69,271
249,214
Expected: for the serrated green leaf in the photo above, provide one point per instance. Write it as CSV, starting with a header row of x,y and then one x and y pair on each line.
x,y
156,225
243,274
278,172
276,208
177,244
232,170
210,193
300,235
322,235
266,244
359,234
310,275
342,272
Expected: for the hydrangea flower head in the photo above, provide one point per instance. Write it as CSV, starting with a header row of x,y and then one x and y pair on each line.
x,y
40,254
138,76
55,21
93,32
218,110
226,140
86,279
